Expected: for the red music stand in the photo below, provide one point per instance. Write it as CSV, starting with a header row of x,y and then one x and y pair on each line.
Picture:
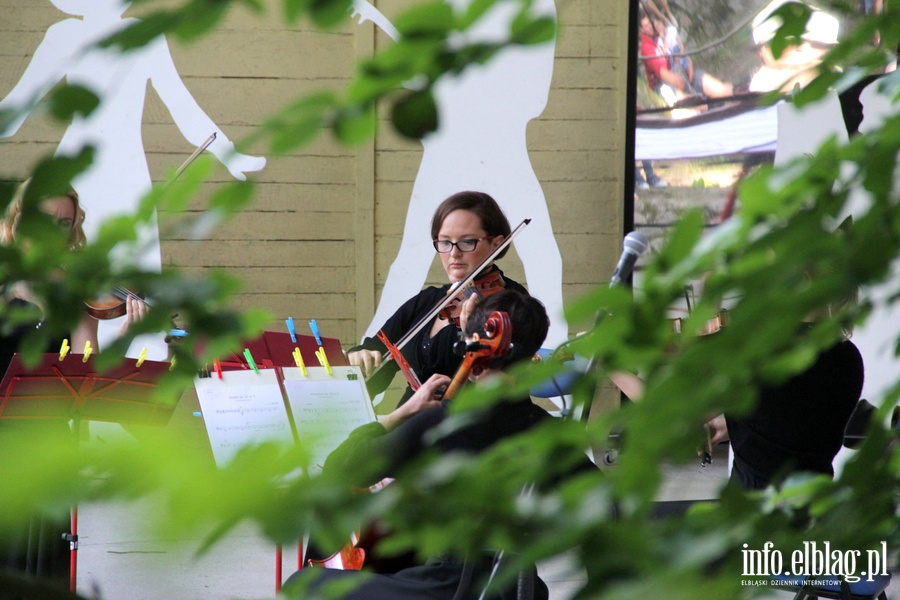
x,y
72,389
275,349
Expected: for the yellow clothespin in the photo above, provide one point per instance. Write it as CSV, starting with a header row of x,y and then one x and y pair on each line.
x,y
323,360
64,349
87,351
141,357
298,360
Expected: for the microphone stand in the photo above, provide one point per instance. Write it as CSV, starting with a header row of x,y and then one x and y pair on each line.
x,y
636,244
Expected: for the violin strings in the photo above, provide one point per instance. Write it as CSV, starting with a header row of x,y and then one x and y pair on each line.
x,y
126,293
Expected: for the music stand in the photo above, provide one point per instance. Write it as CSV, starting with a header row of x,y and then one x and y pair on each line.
x,y
73,389
275,349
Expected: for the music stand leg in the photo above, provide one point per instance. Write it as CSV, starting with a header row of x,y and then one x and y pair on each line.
x,y
72,538
277,569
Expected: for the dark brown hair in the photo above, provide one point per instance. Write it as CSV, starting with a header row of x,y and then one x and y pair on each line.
x,y
493,221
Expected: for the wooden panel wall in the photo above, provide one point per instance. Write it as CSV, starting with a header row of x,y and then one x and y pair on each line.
x,y
294,246
326,223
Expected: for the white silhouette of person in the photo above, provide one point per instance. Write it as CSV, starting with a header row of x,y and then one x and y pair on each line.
x,y
481,145
119,175
877,337
801,131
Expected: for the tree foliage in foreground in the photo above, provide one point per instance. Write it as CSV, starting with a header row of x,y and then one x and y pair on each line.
x,y
779,255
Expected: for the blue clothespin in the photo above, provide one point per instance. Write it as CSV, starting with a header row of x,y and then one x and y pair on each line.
x,y
291,329
315,331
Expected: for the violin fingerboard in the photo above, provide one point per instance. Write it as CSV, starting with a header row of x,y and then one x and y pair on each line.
x,y
470,290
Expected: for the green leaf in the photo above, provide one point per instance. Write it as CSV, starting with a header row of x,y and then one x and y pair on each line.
x,y
528,30
817,88
198,18
475,10
119,228
355,125
432,20
294,8
477,54
794,17
329,13
53,176
72,100
402,60
9,117
299,123
415,114
141,32
232,197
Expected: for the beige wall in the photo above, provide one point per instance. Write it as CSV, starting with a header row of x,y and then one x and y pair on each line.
x,y
326,223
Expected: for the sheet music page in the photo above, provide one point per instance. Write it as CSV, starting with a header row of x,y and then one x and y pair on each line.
x,y
243,407
326,410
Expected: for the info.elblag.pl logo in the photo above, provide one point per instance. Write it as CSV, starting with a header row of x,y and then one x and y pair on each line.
x,y
816,560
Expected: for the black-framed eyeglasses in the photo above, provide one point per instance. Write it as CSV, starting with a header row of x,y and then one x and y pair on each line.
x,y
445,246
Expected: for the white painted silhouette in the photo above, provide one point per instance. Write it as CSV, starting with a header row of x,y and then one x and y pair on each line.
x,y
119,176
481,145
877,337
802,131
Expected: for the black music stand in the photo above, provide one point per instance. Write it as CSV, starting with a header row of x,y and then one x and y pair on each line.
x,y
73,389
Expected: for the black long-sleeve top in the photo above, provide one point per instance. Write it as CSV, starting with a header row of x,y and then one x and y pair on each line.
x,y
408,440
799,425
426,355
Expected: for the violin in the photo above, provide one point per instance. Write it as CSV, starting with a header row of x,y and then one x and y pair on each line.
x,y
709,327
477,356
434,312
482,286
486,285
112,305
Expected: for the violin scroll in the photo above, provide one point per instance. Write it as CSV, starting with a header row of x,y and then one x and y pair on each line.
x,y
479,354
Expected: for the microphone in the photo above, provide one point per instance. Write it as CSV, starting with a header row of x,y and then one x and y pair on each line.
x,y
635,244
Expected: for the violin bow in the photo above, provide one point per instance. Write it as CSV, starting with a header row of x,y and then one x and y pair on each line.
x,y
386,357
193,156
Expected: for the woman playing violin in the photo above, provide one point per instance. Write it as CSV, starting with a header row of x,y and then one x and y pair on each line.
x,y
36,546
466,228
67,213
401,436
